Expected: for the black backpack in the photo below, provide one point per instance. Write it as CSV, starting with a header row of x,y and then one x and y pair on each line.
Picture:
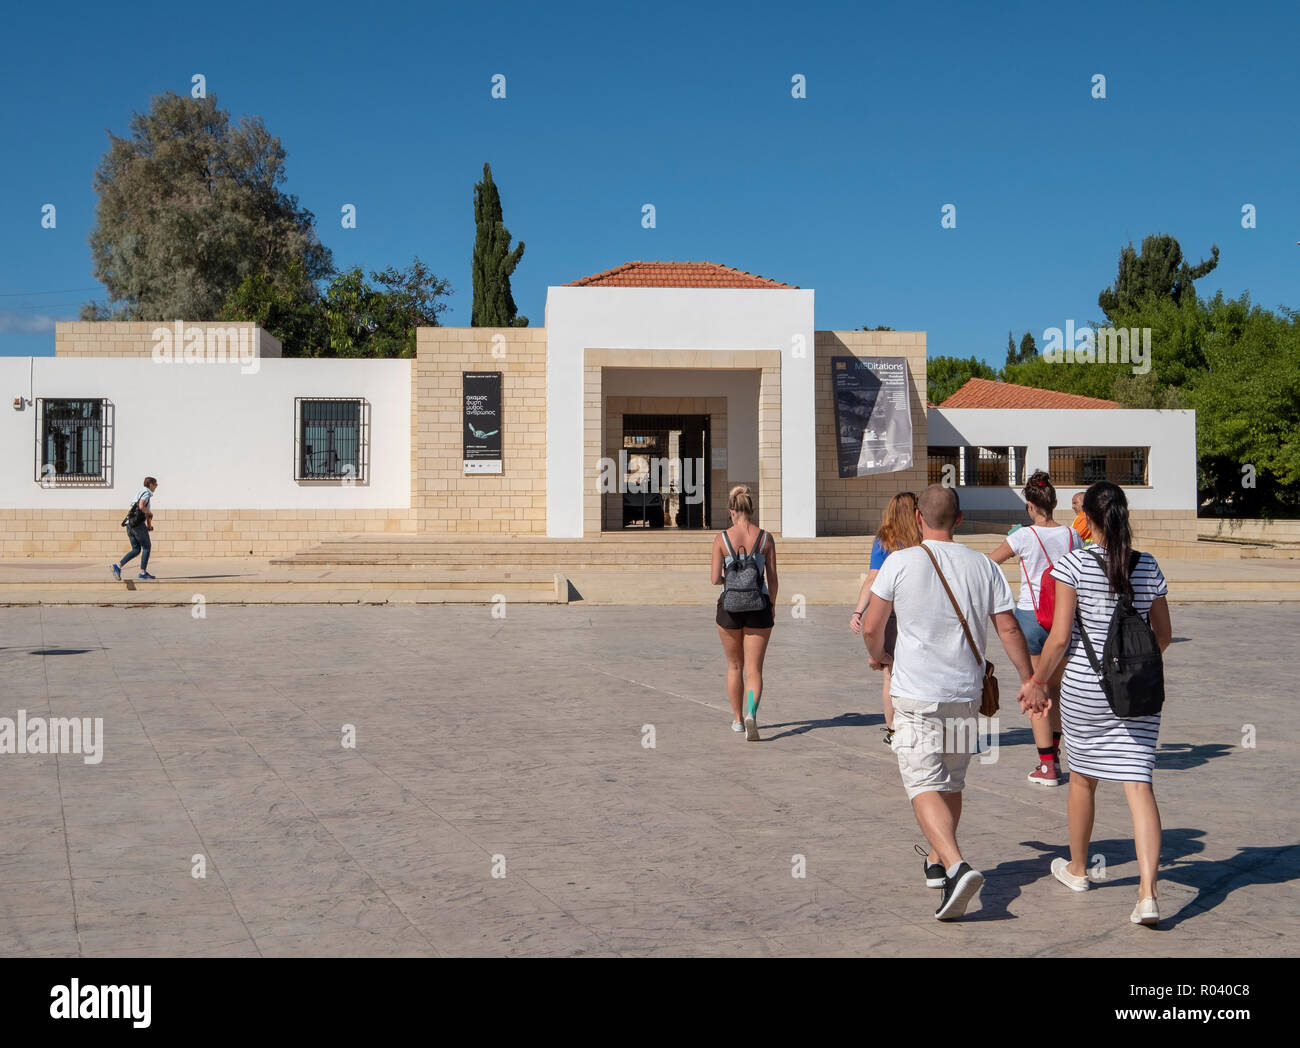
x,y
1131,670
742,582
134,516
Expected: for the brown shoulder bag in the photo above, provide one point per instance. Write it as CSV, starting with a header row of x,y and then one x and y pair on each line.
x,y
989,699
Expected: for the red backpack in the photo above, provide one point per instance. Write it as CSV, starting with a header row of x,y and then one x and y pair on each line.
x,y
1045,606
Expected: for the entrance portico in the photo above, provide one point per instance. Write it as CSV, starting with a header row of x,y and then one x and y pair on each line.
x,y
744,353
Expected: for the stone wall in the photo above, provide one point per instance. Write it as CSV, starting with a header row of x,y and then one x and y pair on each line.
x,y
190,532
854,505
444,498
135,338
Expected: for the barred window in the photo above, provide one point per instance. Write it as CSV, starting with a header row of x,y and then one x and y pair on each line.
x,y
332,438
939,459
1081,466
73,442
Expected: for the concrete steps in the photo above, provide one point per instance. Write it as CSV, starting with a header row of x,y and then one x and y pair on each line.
x,y
640,551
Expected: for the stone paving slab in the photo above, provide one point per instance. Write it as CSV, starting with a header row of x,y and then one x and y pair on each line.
x,y
518,742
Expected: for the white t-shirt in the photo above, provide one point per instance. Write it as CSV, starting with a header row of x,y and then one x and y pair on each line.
x,y
147,496
1056,541
932,661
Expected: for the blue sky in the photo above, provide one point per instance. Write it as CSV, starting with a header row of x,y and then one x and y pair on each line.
x,y
688,106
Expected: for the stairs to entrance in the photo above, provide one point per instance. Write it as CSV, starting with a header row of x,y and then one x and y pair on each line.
x,y
638,550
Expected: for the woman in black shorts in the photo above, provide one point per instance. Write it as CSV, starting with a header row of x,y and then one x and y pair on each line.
x,y
745,634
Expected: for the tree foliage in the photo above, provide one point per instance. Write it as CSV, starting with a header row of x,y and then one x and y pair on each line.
x,y
946,375
1159,271
189,207
494,261
1235,363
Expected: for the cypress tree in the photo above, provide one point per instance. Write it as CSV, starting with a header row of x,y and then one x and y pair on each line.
x,y
494,306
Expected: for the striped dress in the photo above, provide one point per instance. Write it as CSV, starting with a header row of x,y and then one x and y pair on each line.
x,y
1098,744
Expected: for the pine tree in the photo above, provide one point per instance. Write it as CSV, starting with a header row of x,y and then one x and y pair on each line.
x,y
1012,357
1028,348
493,263
1159,270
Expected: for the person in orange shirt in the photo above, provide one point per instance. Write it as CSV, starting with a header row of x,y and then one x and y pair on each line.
x,y
1080,524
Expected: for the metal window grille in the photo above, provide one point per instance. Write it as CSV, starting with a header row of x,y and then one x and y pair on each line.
x,y
939,457
1080,466
332,439
74,442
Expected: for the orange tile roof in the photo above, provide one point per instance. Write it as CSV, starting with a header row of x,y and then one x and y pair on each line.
x,y
676,274
985,393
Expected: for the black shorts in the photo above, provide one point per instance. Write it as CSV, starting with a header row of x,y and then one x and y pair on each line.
x,y
753,620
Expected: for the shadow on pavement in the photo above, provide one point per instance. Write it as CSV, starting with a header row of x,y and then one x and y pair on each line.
x,y
1215,881
1179,756
844,720
1005,881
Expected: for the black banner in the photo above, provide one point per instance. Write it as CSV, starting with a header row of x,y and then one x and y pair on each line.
x,y
873,416
481,419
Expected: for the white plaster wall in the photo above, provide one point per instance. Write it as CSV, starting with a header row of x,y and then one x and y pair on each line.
x,y
214,437
580,318
739,387
1171,436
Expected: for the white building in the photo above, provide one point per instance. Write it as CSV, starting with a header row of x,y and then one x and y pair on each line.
x,y
514,430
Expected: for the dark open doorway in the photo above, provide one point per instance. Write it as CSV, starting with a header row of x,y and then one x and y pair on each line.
x,y
666,471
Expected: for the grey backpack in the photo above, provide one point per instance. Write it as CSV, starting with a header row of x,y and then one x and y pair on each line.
x,y
742,582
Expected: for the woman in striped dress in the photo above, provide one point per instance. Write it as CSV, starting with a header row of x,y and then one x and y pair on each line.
x,y
1098,744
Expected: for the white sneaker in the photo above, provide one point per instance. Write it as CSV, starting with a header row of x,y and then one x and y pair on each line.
x,y
1146,912
1060,870
737,726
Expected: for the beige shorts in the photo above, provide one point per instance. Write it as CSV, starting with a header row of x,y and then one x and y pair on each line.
x,y
934,743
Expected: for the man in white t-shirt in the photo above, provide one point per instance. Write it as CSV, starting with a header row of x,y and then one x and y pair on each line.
x,y
937,678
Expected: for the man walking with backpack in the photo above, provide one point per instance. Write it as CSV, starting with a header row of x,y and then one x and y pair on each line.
x,y
943,593
138,524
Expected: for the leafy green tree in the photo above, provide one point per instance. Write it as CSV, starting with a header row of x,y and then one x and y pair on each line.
x,y
189,206
1247,403
286,304
1158,271
360,319
354,317
868,327
946,375
494,261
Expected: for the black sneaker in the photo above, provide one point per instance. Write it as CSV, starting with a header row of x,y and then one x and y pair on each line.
x,y
959,892
934,872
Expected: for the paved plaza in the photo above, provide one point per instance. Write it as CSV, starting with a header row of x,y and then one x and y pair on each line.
x,y
519,746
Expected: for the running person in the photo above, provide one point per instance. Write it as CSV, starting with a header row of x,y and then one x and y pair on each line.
x,y
1098,744
1038,547
745,634
139,535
